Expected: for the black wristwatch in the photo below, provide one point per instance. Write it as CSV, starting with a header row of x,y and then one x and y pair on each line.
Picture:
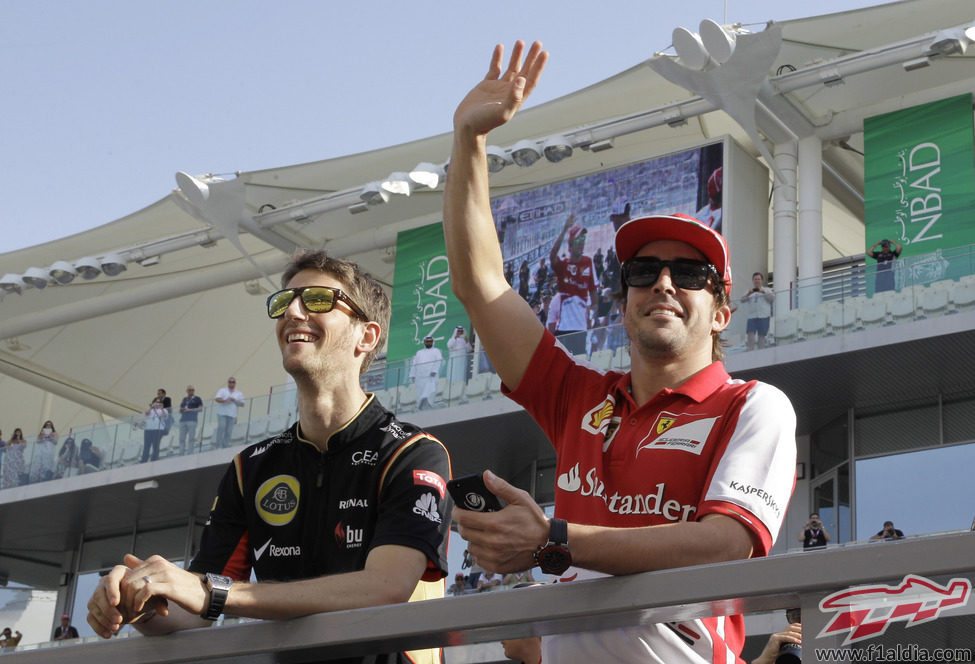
x,y
553,556
218,587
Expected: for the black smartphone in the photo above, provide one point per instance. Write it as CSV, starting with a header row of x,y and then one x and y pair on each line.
x,y
469,493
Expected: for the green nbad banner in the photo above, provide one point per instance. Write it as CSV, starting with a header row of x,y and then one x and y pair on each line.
x,y
919,188
423,303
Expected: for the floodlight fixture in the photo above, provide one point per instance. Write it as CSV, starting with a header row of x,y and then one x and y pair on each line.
x,y
113,265
12,283
397,183
951,41
718,40
359,207
525,153
196,190
36,277
557,148
373,194
497,159
690,49
88,267
427,174
62,272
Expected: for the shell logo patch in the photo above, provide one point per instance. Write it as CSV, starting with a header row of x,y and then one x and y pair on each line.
x,y
277,500
597,420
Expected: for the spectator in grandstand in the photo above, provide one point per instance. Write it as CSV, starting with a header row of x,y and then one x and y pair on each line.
x,y
576,286
757,304
425,370
888,532
597,263
168,405
67,458
524,280
189,413
301,509
228,399
9,639
517,579
774,648
541,276
710,214
814,535
65,630
488,581
45,447
459,586
13,470
459,358
154,424
717,454
89,457
884,252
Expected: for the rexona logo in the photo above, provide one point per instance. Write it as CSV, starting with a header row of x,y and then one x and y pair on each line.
x,y
351,538
276,551
277,499
430,478
426,505
673,431
867,611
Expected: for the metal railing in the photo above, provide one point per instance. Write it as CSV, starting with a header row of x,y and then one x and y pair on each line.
x,y
751,586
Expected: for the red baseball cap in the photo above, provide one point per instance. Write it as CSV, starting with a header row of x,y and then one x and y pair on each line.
x,y
576,231
680,227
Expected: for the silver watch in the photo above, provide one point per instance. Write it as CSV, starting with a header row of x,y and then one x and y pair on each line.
x,y
219,587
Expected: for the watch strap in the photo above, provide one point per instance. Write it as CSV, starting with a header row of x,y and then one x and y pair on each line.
x,y
219,588
558,532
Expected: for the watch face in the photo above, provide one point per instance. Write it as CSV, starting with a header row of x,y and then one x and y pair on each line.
x,y
554,559
220,581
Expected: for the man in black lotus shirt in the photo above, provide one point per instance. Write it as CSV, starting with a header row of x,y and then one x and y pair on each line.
x,y
348,506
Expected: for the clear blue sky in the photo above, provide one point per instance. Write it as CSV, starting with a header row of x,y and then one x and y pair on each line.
x,y
103,101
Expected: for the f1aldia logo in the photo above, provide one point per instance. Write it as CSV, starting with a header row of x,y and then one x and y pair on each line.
x,y
277,499
867,611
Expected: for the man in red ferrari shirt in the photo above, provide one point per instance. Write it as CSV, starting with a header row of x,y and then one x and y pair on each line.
x,y
671,464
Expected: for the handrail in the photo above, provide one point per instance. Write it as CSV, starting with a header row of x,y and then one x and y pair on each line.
x,y
747,586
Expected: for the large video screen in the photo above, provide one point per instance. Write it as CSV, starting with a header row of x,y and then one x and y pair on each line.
x,y
530,222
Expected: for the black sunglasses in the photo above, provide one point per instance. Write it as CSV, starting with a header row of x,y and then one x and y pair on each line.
x,y
317,300
685,273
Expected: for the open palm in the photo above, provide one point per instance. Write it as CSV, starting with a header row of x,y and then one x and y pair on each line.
x,y
498,97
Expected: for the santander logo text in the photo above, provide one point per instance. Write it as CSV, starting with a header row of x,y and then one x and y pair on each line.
x,y
867,611
655,503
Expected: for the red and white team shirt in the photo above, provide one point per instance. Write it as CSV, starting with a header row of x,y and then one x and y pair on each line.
x,y
714,445
575,279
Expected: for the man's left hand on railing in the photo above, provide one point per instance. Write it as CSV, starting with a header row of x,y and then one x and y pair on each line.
x,y
139,592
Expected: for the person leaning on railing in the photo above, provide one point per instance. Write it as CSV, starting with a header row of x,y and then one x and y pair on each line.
x,y
345,509
670,464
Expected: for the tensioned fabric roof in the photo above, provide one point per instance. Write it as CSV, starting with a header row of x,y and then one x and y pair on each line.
x,y
102,347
